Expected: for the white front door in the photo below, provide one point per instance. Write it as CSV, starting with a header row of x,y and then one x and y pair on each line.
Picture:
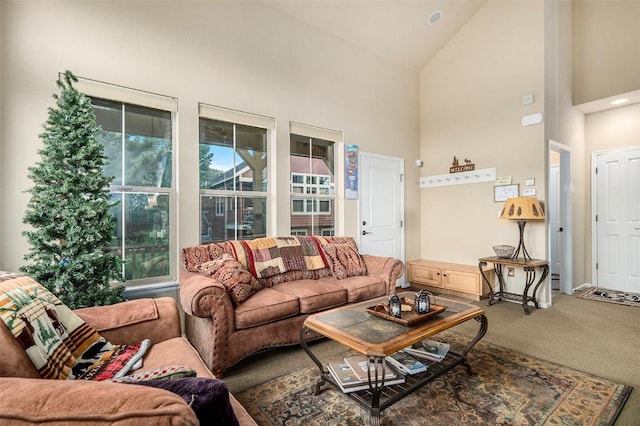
x,y
381,205
617,189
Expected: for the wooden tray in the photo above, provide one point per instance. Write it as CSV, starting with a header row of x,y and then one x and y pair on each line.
x,y
408,318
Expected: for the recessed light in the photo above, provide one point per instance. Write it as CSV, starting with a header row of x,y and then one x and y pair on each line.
x,y
434,18
619,101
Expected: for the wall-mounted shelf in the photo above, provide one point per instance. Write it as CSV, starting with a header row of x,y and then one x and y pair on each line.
x,y
474,176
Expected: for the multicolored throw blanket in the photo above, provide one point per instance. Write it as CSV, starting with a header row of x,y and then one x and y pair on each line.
x,y
58,342
265,257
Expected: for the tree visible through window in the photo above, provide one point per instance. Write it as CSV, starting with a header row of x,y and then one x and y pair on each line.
x,y
138,145
233,181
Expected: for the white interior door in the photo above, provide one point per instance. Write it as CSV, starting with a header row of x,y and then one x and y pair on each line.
x,y
554,220
617,186
560,212
381,205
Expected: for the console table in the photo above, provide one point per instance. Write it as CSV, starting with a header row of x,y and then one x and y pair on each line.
x,y
529,267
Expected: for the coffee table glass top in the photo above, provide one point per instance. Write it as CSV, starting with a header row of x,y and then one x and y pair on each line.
x,y
354,327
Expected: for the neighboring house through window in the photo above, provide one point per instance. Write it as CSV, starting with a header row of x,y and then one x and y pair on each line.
x,y
312,167
233,174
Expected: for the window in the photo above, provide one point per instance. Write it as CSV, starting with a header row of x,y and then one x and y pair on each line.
x,y
233,174
311,184
138,143
312,163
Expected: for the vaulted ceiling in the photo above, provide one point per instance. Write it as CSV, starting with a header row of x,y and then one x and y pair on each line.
x,y
399,30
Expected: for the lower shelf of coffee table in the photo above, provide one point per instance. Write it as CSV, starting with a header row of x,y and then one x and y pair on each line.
x,y
389,395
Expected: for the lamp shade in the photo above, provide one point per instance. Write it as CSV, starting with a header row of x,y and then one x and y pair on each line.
x,y
522,208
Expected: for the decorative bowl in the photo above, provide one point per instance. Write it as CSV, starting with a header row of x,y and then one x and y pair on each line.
x,y
504,251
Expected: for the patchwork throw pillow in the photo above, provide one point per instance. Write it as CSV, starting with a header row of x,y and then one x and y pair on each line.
x,y
208,398
238,282
344,260
194,256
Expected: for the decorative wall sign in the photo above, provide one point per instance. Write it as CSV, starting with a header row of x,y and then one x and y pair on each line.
x,y
502,193
457,168
351,172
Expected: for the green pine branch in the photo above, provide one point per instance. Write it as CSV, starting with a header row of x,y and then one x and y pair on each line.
x,y
69,208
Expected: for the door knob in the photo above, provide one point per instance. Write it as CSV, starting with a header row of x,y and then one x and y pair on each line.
x,y
365,232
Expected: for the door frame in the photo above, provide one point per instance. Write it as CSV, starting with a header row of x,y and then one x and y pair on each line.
x,y
594,206
400,162
565,213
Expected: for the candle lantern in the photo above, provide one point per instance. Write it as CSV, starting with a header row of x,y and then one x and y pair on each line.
x,y
422,302
395,306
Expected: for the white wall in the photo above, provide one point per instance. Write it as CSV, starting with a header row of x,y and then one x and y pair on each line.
x,y
564,123
239,55
471,107
606,63
605,54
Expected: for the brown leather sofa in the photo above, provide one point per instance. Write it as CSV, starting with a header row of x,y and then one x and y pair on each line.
x,y
225,332
25,398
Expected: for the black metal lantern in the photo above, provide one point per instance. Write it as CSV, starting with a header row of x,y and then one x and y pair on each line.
x,y
422,302
395,306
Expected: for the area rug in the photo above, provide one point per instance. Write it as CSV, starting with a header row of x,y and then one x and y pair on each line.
x,y
612,296
507,388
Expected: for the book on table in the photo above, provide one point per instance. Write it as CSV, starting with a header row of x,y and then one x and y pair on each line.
x,y
361,367
349,382
406,363
429,349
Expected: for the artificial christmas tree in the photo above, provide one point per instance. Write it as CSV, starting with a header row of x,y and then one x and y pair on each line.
x,y
69,207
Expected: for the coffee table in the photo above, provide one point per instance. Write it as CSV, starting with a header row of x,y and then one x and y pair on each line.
x,y
374,337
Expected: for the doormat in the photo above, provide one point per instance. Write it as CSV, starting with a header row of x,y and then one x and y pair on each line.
x,y
612,296
508,387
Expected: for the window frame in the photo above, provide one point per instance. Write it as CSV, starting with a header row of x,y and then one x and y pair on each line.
x,y
235,117
336,194
125,95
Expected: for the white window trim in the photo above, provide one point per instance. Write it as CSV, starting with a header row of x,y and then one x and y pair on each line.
x,y
114,92
238,117
214,112
338,138
127,95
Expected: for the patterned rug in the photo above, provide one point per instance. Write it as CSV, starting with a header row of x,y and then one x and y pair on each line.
x,y
612,296
508,388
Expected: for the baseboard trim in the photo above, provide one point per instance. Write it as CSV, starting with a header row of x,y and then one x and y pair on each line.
x,y
582,287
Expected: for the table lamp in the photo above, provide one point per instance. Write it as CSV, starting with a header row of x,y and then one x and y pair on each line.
x,y
522,209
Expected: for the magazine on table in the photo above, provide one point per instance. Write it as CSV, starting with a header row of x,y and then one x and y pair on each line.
x,y
429,349
360,365
349,382
406,363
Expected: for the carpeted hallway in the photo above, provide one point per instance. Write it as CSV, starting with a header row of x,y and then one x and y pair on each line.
x,y
596,337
